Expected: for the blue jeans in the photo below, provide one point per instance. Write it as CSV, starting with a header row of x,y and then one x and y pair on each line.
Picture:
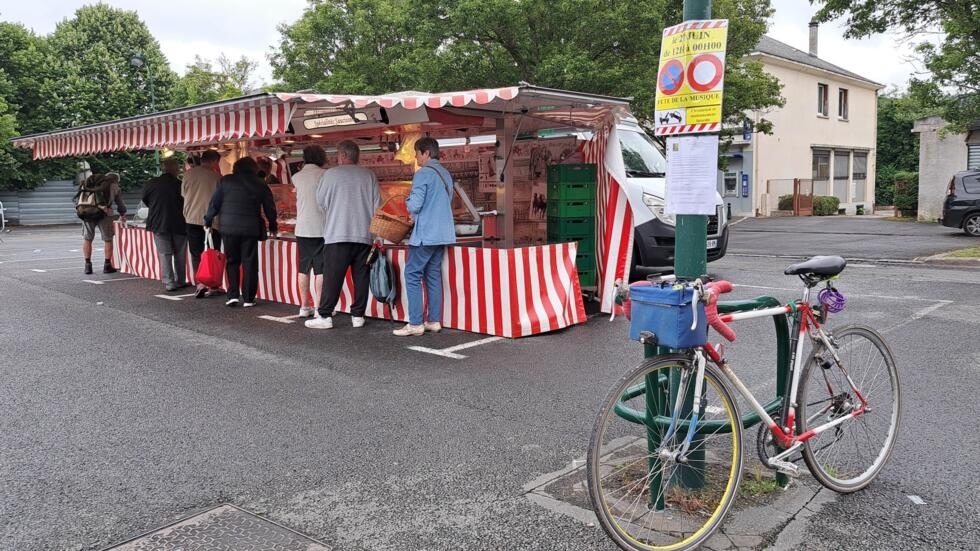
x,y
424,262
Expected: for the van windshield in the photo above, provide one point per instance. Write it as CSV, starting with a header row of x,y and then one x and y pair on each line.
x,y
640,156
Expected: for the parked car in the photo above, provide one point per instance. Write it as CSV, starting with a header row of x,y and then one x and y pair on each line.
x,y
962,206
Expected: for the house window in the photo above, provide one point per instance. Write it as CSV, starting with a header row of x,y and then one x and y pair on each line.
x,y
860,168
822,102
821,164
842,103
841,161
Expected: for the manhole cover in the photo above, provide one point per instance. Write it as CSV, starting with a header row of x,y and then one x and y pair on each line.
x,y
225,527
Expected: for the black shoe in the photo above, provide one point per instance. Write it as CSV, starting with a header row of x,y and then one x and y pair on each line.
x,y
201,291
108,269
88,266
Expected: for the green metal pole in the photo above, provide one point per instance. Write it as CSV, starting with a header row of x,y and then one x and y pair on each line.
x,y
691,239
153,109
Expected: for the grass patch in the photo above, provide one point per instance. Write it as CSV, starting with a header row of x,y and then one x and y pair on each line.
x,y
759,484
972,252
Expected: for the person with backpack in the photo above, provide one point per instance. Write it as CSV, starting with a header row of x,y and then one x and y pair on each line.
x,y
162,197
240,199
93,204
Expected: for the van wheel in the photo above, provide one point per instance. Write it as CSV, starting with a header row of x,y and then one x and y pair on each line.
x,y
972,225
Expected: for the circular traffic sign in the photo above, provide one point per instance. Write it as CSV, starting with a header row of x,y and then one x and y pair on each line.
x,y
704,72
671,77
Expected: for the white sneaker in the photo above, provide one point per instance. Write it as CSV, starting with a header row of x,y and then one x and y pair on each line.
x,y
232,302
248,305
306,312
409,330
432,326
357,321
319,323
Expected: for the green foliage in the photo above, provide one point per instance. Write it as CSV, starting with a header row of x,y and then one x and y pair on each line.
x,y
597,46
825,205
898,147
906,186
202,82
954,60
785,202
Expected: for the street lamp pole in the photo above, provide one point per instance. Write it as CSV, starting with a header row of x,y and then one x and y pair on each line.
x,y
138,60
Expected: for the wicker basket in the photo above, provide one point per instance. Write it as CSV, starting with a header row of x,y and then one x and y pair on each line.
x,y
391,227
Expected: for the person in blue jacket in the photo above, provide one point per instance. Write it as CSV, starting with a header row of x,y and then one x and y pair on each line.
x,y
430,206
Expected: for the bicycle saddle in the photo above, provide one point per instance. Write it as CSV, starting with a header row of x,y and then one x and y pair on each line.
x,y
824,266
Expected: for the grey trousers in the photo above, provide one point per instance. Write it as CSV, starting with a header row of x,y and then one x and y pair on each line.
x,y
172,248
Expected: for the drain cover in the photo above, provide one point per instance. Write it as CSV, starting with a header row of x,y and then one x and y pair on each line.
x,y
225,527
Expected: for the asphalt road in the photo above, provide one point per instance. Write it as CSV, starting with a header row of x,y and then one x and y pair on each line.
x,y
124,412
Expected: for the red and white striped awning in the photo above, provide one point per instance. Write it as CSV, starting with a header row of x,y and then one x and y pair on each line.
x,y
269,115
242,118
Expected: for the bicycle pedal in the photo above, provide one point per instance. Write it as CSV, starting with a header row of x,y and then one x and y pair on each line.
x,y
784,467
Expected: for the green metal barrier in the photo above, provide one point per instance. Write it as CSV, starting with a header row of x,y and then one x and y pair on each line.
x,y
657,414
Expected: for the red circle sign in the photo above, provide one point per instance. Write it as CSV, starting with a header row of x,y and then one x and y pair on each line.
x,y
704,72
671,77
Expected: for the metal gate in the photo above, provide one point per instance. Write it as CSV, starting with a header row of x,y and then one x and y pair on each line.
x,y
802,197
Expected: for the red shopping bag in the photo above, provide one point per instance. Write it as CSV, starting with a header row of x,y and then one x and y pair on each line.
x,y
211,271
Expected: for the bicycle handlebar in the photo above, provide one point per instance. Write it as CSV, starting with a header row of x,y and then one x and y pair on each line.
x,y
710,297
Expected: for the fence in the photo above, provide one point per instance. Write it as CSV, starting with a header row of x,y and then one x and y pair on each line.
x,y
50,203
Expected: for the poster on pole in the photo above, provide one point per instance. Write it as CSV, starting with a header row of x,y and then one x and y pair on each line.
x,y
691,77
692,174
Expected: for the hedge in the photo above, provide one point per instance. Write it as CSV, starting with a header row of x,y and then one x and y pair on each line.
x,y
822,205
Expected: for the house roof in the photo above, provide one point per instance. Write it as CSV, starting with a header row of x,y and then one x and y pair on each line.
x,y
772,47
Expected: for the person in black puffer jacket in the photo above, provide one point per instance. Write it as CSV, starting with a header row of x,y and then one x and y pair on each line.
x,y
240,199
162,197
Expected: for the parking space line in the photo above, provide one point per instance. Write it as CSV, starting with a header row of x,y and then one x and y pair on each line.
x,y
175,297
104,281
451,351
280,319
46,270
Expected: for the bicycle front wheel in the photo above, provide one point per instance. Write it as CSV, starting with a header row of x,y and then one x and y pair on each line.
x,y
846,457
647,490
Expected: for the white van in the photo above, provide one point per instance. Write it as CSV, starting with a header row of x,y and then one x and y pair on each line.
x,y
653,234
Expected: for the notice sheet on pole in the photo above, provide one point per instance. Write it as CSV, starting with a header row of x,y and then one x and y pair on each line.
x,y
692,174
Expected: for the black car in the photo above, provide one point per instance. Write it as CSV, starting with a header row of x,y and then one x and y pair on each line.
x,y
962,206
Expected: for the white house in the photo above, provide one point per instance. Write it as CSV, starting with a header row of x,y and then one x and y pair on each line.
x,y
942,154
825,133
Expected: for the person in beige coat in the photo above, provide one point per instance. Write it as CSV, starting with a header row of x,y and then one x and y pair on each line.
x,y
197,188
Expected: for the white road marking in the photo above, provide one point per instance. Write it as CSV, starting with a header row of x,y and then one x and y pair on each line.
x,y
450,352
104,281
175,297
46,270
917,500
39,259
929,309
284,319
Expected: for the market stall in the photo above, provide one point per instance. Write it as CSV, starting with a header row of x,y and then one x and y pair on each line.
x,y
493,284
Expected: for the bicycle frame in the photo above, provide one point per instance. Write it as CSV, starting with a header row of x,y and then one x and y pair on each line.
x,y
805,324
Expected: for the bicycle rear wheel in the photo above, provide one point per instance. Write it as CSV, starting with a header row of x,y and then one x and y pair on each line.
x,y
645,496
845,458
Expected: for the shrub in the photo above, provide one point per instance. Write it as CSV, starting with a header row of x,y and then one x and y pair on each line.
x,y
825,205
785,202
906,191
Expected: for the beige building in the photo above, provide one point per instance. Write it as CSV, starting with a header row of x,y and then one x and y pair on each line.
x,y
826,133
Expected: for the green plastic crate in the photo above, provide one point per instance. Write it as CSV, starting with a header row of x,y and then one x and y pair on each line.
x,y
570,174
571,227
585,244
586,278
585,262
571,209
571,191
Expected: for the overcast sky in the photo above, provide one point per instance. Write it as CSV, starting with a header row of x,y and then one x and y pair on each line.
x,y
248,27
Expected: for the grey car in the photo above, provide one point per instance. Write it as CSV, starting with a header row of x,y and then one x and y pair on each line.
x,y
962,206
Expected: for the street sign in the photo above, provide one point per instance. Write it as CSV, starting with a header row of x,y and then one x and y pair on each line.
x,y
691,78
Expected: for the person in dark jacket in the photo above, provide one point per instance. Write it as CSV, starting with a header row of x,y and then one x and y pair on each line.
x,y
166,220
240,199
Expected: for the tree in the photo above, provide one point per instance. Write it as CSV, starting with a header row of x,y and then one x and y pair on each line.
x,y
598,46
95,80
954,62
203,83
897,147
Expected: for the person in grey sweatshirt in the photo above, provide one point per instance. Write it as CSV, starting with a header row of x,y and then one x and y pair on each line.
x,y
348,194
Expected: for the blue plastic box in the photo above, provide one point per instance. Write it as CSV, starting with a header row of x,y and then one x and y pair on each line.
x,y
668,313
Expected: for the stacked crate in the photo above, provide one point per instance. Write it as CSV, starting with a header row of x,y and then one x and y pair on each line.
x,y
571,213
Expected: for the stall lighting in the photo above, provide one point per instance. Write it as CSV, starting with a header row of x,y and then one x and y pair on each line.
x,y
166,153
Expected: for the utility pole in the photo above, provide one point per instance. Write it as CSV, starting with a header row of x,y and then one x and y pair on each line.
x,y
690,247
139,60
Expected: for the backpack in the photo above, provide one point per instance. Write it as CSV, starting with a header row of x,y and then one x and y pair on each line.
x,y
92,198
382,282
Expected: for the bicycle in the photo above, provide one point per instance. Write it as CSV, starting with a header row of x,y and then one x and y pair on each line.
x,y
663,467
